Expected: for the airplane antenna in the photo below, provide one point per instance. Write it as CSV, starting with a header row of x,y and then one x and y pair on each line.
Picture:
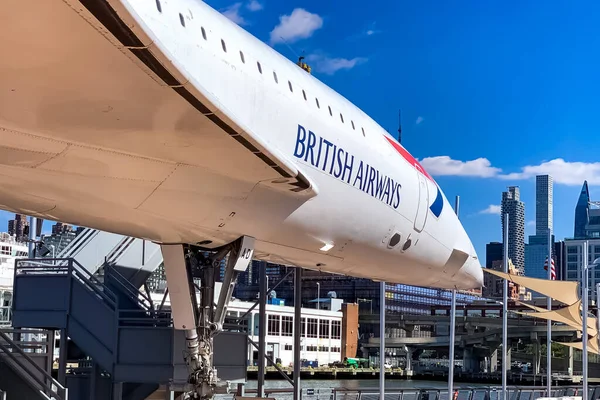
x,y
289,47
300,61
399,126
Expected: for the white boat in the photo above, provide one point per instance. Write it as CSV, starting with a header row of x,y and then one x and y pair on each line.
x,y
10,250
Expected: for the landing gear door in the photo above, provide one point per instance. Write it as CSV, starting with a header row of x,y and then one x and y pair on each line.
x,y
423,204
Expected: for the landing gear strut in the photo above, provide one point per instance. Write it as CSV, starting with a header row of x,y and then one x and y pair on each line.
x,y
203,318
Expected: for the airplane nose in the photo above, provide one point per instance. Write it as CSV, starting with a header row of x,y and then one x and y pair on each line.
x,y
470,276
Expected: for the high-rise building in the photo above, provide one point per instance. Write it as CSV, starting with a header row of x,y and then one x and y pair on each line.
x,y
536,251
60,227
560,260
493,258
17,227
515,208
574,253
582,212
544,190
592,229
493,252
587,216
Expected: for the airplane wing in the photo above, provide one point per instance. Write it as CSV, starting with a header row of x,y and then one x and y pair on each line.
x,y
132,38
102,122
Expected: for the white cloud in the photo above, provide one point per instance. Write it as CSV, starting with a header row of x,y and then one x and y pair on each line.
x,y
531,223
419,120
233,13
254,5
330,66
445,166
563,172
300,24
372,30
492,209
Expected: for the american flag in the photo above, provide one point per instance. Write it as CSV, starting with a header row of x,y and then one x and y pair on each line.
x,y
552,269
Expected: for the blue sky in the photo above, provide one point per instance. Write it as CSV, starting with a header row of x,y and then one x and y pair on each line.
x,y
492,93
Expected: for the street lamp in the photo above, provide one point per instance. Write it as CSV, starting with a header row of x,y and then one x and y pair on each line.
x,y
318,296
584,301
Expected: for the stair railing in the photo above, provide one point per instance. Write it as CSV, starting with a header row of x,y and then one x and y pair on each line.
x,y
129,289
48,386
72,268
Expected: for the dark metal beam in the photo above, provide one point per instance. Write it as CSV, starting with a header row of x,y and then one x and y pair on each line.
x,y
279,282
262,327
268,357
297,333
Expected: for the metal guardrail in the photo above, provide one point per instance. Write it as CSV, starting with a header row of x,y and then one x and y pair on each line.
x,y
47,384
130,290
70,266
461,393
73,268
5,317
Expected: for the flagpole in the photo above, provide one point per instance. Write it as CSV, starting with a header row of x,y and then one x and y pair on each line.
x,y
505,312
549,323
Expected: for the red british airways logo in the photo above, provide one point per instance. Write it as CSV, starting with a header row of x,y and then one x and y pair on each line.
x,y
438,204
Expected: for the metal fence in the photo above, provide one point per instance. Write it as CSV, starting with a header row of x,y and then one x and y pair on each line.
x,y
460,393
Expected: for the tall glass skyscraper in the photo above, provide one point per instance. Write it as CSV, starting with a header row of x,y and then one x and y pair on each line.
x,y
512,204
536,250
582,212
544,191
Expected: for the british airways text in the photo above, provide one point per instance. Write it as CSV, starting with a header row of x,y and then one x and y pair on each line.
x,y
334,160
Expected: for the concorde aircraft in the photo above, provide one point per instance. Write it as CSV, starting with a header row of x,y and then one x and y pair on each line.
x,y
164,120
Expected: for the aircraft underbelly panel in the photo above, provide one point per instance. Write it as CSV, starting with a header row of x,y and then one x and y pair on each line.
x,y
88,135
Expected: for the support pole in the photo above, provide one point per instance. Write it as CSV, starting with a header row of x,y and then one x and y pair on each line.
x,y
382,341
62,358
32,231
549,323
505,312
584,338
262,327
297,331
452,326
598,311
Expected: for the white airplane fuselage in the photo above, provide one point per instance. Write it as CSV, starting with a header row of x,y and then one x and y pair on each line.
x,y
166,121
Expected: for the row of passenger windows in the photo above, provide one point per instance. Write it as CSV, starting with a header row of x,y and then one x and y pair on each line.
x,y
260,70
325,349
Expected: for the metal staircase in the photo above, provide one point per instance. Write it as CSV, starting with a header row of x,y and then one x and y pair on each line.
x,y
111,322
132,347
25,367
